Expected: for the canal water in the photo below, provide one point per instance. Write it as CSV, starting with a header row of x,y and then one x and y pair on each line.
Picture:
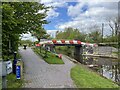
x,y
107,67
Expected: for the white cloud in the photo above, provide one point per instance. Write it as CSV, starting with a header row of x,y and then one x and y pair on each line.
x,y
75,10
52,14
94,9
41,11
57,4
28,36
46,1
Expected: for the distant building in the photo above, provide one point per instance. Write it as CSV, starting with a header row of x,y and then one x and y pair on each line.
x,y
52,33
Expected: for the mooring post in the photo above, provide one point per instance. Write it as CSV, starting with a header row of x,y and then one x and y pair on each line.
x,y
78,53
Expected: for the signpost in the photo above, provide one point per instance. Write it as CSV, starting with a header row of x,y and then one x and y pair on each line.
x,y
5,68
4,74
18,71
9,66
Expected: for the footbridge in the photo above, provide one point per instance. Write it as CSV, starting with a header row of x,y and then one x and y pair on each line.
x,y
78,51
67,43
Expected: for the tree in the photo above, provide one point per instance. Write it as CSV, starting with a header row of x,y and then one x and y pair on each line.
x,y
18,18
40,33
71,33
95,37
114,26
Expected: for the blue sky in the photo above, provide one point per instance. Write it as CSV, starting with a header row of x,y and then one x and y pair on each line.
x,y
61,18
80,14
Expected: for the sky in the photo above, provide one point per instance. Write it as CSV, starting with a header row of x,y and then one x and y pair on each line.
x,y
80,14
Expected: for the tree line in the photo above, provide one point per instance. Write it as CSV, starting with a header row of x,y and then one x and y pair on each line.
x,y
95,36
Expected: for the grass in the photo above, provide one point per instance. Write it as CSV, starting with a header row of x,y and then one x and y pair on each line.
x,y
12,82
65,50
50,58
116,53
85,78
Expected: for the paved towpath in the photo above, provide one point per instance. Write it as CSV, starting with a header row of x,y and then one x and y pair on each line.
x,y
39,74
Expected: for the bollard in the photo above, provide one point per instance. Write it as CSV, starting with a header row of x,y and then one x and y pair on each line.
x,y
14,63
19,69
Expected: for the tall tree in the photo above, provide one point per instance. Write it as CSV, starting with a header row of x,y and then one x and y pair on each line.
x,y
18,18
40,33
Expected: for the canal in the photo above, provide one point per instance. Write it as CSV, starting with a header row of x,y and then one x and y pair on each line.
x,y
107,67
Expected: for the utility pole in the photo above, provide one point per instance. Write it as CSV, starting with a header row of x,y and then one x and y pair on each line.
x,y
4,74
119,57
102,31
119,42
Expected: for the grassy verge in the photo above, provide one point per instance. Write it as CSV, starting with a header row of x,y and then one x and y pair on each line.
x,y
116,53
50,58
12,82
85,78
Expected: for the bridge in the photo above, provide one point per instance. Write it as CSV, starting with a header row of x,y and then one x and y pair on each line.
x,y
66,42
81,48
76,43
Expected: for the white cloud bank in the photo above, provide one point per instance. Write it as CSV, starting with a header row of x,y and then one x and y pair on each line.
x,y
96,13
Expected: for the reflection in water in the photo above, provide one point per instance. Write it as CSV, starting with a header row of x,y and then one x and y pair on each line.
x,y
107,67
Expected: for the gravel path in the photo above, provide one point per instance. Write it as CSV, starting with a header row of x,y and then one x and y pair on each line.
x,y
39,74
